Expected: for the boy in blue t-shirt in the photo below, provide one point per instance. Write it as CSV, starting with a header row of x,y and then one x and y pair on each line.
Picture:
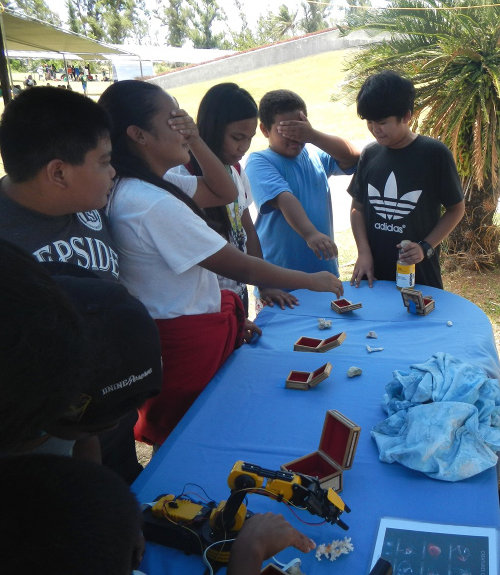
x,y
290,185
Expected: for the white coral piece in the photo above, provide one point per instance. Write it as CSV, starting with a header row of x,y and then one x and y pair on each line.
x,y
334,549
324,323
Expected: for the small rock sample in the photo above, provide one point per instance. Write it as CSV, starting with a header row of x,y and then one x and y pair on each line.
x,y
372,335
354,371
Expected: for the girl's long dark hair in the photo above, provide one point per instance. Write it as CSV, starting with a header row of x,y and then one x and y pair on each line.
x,y
221,105
134,103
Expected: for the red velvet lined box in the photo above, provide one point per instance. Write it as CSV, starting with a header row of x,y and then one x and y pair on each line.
x,y
305,343
337,448
344,305
417,303
307,379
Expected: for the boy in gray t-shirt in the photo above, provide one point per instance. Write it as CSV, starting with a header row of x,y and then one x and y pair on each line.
x,y
58,178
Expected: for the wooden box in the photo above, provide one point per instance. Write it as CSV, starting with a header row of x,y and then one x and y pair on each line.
x,y
417,303
344,305
305,343
335,454
307,379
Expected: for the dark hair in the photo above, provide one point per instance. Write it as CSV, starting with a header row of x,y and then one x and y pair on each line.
x,y
385,94
134,103
221,105
42,344
65,515
279,102
45,123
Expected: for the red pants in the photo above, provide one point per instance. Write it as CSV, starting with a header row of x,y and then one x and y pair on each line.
x,y
193,349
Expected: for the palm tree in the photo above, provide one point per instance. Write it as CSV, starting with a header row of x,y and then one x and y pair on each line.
x,y
451,51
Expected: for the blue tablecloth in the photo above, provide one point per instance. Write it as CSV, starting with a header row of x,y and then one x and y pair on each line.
x,y
247,413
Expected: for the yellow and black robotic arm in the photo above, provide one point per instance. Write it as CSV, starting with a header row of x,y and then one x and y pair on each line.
x,y
192,526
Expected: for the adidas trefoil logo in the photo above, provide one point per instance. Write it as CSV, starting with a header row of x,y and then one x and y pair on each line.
x,y
389,206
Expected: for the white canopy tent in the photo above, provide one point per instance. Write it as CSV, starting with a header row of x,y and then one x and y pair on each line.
x,y
22,33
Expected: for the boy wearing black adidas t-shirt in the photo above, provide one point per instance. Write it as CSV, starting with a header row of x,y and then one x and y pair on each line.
x,y
403,180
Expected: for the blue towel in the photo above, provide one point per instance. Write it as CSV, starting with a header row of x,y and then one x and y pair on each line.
x,y
444,419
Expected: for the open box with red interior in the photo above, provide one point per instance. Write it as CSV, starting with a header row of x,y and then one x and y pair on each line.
x,y
307,379
305,343
417,303
335,454
344,305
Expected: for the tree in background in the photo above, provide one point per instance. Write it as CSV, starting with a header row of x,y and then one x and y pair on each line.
x,y
315,16
111,21
35,8
243,39
451,51
202,16
193,20
175,16
358,12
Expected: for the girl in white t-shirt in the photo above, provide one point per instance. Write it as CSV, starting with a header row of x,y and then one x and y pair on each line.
x,y
170,257
227,121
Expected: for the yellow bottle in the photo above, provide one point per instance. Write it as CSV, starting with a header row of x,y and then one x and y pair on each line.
x,y
405,273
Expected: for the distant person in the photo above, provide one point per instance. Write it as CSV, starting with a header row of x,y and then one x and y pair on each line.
x,y
402,182
290,185
29,82
227,120
164,241
84,80
40,72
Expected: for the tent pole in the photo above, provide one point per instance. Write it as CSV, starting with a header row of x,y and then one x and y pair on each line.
x,y
4,68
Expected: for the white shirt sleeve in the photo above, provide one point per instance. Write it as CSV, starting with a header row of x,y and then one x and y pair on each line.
x,y
182,179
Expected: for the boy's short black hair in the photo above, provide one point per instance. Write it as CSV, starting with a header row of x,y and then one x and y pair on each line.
x,y
63,515
279,102
45,123
385,94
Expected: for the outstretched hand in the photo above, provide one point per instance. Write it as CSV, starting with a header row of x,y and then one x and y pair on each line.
x,y
250,330
261,537
270,296
326,282
363,268
322,246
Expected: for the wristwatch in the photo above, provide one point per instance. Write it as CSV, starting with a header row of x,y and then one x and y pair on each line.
x,y
427,249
